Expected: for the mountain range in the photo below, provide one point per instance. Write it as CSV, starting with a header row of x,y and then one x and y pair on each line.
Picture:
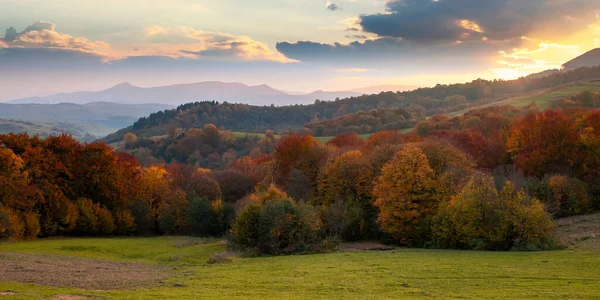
x,y
126,93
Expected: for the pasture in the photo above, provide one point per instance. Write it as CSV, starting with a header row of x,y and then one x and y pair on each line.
x,y
178,268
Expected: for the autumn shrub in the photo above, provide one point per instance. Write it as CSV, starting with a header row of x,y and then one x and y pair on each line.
x,y
350,221
93,218
32,225
141,213
106,222
481,217
208,218
276,227
11,225
124,222
567,197
87,222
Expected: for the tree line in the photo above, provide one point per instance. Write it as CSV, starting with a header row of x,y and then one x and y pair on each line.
x,y
491,179
419,104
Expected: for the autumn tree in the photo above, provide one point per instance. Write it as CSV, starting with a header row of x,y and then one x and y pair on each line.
x,y
407,196
130,140
481,217
297,160
543,143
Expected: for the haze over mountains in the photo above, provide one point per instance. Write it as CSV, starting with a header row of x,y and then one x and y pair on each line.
x,y
126,93
113,115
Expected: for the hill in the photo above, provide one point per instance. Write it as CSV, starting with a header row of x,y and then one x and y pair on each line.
x,y
126,93
384,88
105,114
588,59
82,132
417,105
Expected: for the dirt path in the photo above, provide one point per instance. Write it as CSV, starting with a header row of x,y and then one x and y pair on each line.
x,y
63,271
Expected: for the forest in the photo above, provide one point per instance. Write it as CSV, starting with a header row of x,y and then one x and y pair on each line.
x,y
493,178
416,105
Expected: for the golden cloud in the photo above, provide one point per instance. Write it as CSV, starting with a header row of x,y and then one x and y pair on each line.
x,y
189,42
42,35
469,25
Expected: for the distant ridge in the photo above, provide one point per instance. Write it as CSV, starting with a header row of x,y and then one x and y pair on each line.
x,y
384,88
126,93
588,59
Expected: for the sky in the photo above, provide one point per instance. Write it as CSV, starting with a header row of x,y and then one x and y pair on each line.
x,y
294,45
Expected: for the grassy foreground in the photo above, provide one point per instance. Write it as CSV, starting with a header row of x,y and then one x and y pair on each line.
x,y
401,273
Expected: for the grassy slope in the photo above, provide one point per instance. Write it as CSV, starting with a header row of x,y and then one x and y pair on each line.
x,y
402,273
542,98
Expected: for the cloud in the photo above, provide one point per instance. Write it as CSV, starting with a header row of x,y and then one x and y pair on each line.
x,y
189,42
392,51
332,6
43,35
440,21
176,42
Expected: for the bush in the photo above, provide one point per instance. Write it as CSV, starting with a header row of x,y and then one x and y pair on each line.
x,y
124,222
206,218
87,222
32,225
11,225
93,218
279,226
568,196
106,222
140,211
480,217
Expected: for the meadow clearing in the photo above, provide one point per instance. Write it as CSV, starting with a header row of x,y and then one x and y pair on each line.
x,y
179,268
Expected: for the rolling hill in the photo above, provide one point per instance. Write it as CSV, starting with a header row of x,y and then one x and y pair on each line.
x,y
126,93
106,114
588,59
82,132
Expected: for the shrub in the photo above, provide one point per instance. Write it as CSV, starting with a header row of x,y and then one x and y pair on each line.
x,y
279,226
568,196
206,218
140,211
32,225
124,222
480,217
87,222
106,222
11,225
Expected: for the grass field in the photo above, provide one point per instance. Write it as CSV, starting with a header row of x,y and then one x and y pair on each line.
x,y
177,268
543,98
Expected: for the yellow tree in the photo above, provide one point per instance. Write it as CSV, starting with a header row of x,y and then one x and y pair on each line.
x,y
406,196
348,177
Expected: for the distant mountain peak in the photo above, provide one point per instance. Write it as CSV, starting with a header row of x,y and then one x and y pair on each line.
x,y
123,85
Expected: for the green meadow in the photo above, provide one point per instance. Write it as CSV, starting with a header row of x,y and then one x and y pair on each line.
x,y
395,274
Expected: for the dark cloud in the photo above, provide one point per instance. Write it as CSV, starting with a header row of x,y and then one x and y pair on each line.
x,y
11,34
333,7
387,52
440,21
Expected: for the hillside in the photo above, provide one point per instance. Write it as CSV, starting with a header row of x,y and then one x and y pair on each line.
x,y
106,114
234,92
588,59
419,104
83,132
